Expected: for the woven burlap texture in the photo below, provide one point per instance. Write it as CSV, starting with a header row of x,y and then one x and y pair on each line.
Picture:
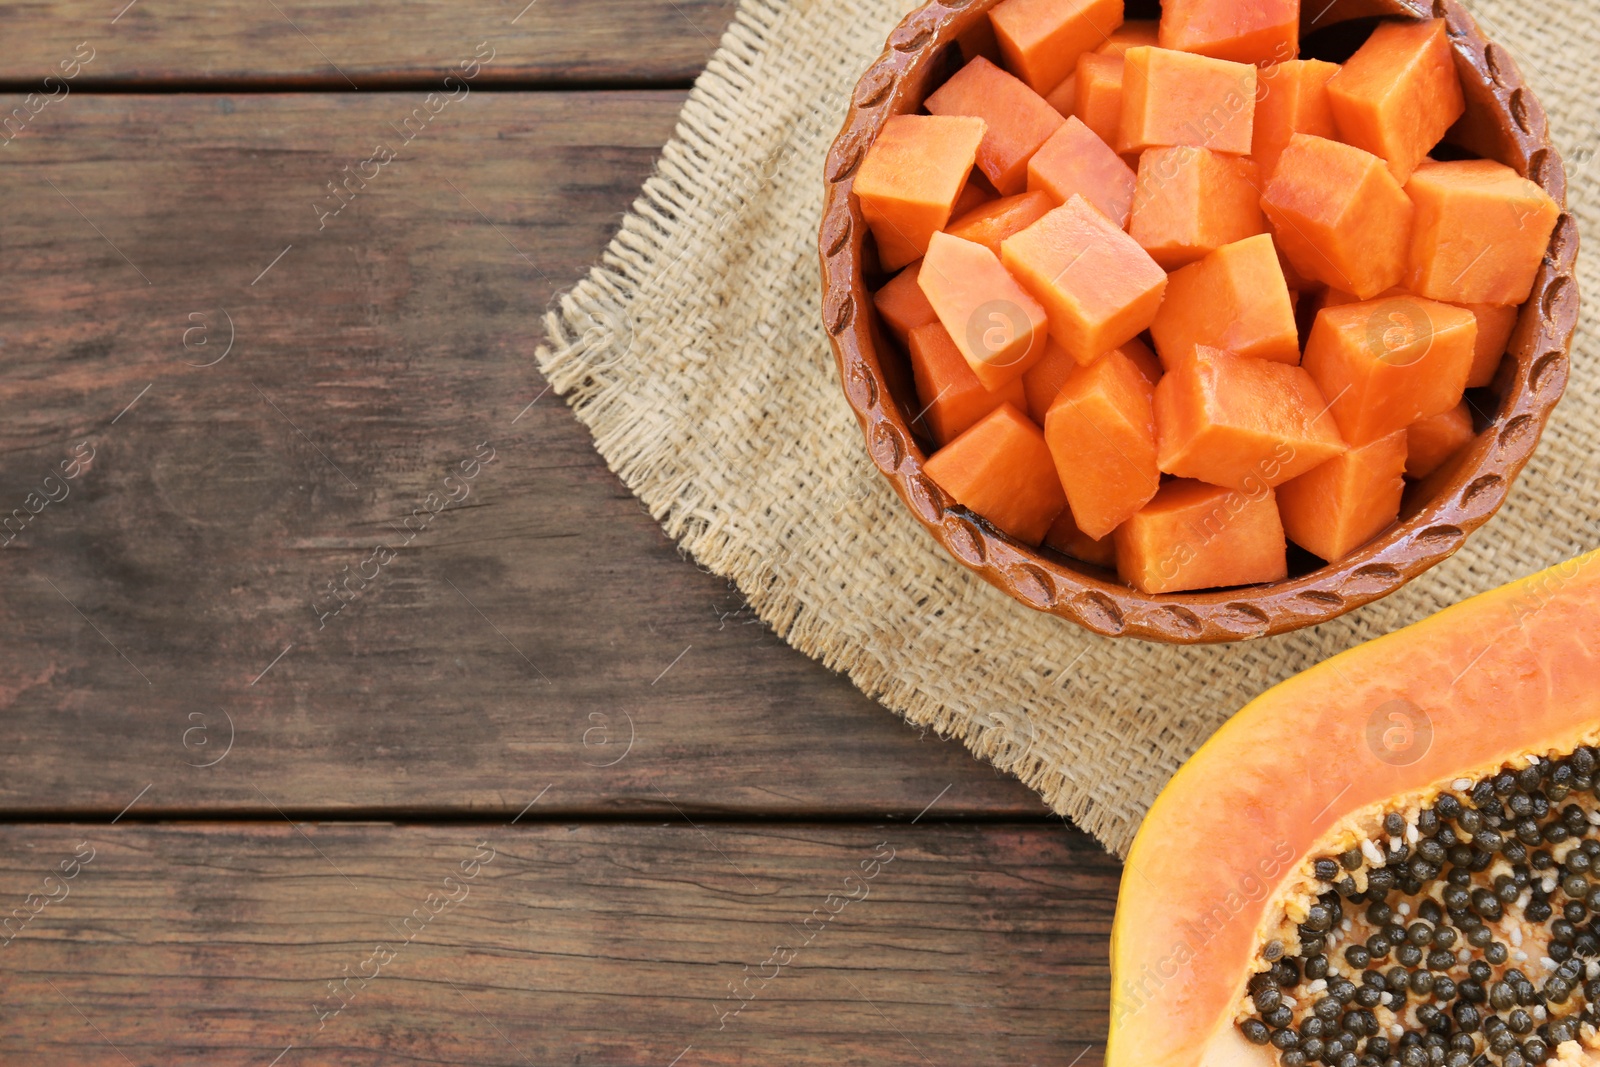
x,y
695,354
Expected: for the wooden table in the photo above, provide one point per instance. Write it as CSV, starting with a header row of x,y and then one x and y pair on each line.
x,y
353,711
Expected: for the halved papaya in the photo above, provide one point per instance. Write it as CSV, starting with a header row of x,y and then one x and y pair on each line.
x,y
1394,852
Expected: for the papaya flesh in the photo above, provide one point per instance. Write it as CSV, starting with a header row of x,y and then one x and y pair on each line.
x,y
1197,536
1432,441
1076,162
1134,33
1065,537
1017,120
1323,842
1000,467
993,221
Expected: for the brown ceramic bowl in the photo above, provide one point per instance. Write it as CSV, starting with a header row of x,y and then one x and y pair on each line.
x,y
1503,122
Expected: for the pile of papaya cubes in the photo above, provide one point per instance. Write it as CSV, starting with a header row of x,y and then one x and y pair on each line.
x,y
1175,297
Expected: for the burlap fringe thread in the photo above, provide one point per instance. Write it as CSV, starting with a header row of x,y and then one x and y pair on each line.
x,y
695,353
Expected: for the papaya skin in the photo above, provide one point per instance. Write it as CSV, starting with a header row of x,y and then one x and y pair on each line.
x,y
1510,673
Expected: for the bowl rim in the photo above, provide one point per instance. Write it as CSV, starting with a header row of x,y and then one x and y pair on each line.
x,y
1461,499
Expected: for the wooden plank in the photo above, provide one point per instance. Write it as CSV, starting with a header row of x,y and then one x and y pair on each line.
x,y
540,632
226,945
334,45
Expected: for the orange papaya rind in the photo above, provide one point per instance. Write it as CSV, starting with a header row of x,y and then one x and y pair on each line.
x,y
1428,754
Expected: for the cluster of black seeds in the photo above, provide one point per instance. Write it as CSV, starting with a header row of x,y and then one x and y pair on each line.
x,y
1480,855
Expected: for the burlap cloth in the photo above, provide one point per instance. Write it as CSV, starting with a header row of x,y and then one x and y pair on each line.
x,y
695,353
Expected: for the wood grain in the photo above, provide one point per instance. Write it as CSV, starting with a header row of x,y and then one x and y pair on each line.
x,y
518,641
333,45
572,944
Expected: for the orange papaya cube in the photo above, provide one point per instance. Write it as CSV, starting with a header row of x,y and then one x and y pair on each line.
x,y
1383,364
1017,120
1064,97
1065,537
1481,232
1495,325
1198,536
1291,98
1399,94
1143,358
1297,281
901,303
1045,378
1339,216
974,194
951,396
1041,40
1097,100
1098,287
910,178
1347,501
979,40
1234,299
1101,431
1433,440
1134,33
1332,298
992,222
1241,422
1074,160
1173,98
1001,469
1245,31
997,325
1189,202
